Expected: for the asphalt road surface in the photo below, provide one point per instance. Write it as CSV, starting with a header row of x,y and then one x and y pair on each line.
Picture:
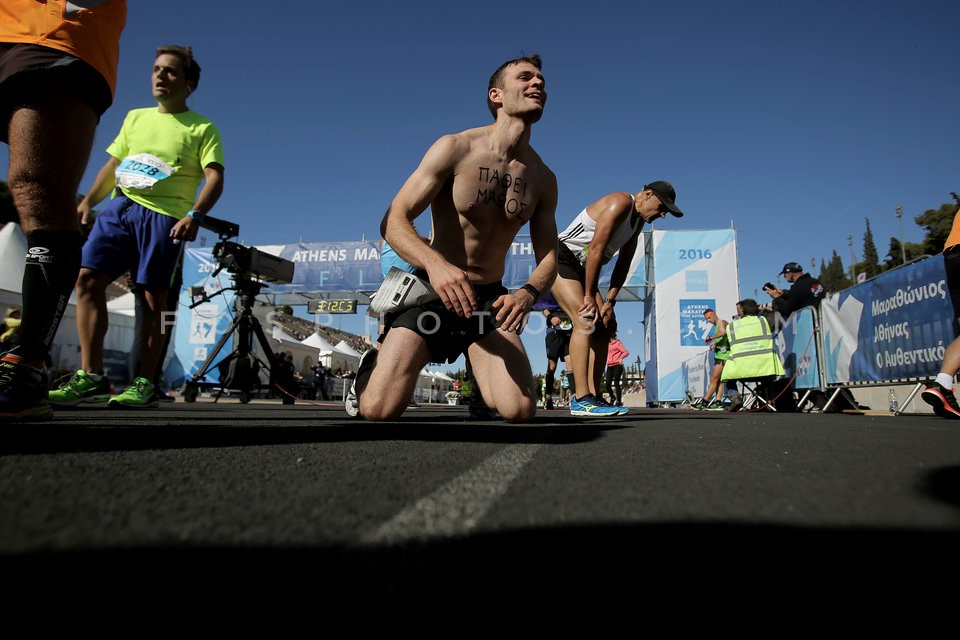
x,y
269,520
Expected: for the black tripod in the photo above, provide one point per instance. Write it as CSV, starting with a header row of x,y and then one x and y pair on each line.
x,y
240,370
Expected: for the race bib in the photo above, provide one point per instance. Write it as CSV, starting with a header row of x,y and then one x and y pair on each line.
x,y
142,171
584,253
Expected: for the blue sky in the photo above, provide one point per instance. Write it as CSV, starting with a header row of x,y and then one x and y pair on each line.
x,y
792,122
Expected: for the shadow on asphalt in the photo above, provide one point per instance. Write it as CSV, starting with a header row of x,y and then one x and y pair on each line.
x,y
714,575
88,433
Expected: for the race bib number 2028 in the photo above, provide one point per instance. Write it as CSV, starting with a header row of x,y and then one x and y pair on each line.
x,y
142,171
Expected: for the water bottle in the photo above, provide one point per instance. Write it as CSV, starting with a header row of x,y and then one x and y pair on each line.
x,y
893,402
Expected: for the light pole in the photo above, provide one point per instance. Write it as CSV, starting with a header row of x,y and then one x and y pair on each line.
x,y
853,257
903,250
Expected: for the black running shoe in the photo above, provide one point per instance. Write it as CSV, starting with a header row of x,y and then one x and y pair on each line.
x,y
23,392
478,408
942,400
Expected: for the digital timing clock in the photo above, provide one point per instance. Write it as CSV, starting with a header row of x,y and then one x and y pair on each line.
x,y
332,306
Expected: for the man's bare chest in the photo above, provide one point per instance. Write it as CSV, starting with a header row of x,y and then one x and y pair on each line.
x,y
490,189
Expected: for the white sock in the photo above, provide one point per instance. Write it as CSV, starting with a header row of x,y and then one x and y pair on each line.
x,y
945,380
96,377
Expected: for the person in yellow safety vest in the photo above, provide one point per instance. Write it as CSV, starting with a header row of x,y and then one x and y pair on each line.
x,y
753,354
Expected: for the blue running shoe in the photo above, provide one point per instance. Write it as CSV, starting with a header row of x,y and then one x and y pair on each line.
x,y
621,411
589,406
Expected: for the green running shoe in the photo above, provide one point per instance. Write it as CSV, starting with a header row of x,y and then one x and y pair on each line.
x,y
139,395
81,389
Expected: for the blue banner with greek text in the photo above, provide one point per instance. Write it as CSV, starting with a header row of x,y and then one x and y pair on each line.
x,y
797,347
893,327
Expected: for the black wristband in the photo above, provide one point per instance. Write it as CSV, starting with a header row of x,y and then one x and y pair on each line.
x,y
611,301
532,290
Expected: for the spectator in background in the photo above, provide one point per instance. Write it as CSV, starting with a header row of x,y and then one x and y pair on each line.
x,y
566,379
805,290
616,353
58,71
939,394
283,376
557,341
320,373
9,330
717,340
753,354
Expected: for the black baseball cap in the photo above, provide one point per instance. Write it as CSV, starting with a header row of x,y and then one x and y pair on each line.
x,y
791,267
665,192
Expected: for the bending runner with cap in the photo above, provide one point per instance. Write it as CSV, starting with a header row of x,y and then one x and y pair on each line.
x,y
609,225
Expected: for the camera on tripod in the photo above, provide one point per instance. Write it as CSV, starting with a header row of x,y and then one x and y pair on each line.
x,y
250,261
246,261
249,268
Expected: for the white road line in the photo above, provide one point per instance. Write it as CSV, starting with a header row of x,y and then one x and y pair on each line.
x,y
458,506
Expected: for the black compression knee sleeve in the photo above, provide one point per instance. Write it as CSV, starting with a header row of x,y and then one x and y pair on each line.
x,y
49,277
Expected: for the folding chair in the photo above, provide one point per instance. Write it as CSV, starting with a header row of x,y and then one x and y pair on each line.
x,y
755,393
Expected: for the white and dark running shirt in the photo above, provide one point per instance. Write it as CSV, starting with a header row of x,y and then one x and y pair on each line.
x,y
579,234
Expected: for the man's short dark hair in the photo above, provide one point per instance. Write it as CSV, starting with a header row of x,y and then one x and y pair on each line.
x,y
190,65
749,307
496,80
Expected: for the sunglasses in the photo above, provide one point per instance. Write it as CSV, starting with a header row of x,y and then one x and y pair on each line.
x,y
662,210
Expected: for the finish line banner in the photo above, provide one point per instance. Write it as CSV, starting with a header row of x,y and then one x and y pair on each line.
x,y
893,327
336,267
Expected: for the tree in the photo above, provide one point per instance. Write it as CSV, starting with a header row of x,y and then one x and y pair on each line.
x,y
834,277
871,262
937,223
893,259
